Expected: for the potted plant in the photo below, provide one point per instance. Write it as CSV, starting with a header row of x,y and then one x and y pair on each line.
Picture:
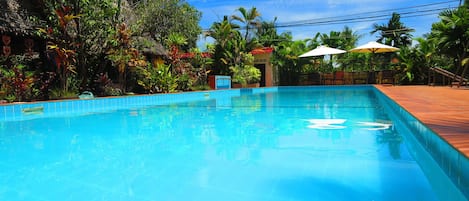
x,y
245,74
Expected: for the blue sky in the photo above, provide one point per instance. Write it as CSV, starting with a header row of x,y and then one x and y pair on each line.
x,y
416,14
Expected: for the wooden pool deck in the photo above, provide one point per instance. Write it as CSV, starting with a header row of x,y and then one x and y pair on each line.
x,y
443,109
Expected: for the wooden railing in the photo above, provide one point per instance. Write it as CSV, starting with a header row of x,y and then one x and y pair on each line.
x,y
453,78
347,78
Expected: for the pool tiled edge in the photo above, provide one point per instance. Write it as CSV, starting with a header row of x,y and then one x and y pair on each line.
x,y
452,162
449,159
13,112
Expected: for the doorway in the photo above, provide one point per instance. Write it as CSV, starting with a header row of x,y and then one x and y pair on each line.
x,y
261,67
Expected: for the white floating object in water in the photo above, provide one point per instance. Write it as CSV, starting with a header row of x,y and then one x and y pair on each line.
x,y
375,125
326,123
319,126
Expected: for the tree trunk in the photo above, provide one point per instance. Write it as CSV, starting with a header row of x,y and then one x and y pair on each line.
x,y
464,70
462,74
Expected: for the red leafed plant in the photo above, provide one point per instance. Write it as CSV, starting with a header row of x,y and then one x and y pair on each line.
x,y
61,47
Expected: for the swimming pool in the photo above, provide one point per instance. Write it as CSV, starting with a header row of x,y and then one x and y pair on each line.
x,y
287,143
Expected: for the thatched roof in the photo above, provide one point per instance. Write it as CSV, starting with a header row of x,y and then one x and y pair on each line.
x,y
157,50
149,46
14,19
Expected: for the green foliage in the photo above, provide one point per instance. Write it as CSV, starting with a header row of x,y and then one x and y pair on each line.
x,y
184,82
250,20
201,87
175,41
290,66
147,77
71,92
285,58
112,91
16,83
228,43
62,36
44,81
157,79
345,39
414,62
266,34
201,65
102,85
123,56
394,33
97,29
451,36
62,94
245,72
162,18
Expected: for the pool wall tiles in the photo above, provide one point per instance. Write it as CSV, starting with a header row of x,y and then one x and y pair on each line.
x,y
264,90
14,111
450,160
327,87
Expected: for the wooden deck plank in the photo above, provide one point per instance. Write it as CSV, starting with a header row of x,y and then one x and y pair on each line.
x,y
445,110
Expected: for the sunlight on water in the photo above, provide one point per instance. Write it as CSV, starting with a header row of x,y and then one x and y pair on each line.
x,y
291,145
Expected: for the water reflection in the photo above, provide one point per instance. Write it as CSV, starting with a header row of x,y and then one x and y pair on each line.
x,y
393,141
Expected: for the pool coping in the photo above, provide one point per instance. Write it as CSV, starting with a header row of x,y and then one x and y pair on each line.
x,y
451,161
442,109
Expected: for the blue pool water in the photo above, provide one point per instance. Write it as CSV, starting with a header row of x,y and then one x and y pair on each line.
x,y
289,145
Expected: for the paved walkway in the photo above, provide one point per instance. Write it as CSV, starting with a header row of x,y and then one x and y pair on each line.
x,y
445,110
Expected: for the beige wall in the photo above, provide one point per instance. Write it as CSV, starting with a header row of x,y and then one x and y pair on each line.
x,y
269,73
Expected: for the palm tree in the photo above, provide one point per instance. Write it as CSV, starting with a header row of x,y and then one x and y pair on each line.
x,y
250,19
267,34
452,37
394,33
222,31
348,38
331,40
426,48
226,35
314,42
285,59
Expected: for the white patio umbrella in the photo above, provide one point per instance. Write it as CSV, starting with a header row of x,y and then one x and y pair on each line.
x,y
322,50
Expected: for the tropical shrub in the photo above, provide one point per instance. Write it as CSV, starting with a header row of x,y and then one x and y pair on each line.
x,y
245,73
157,79
451,36
17,83
184,82
123,57
62,45
101,84
201,64
285,58
43,85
